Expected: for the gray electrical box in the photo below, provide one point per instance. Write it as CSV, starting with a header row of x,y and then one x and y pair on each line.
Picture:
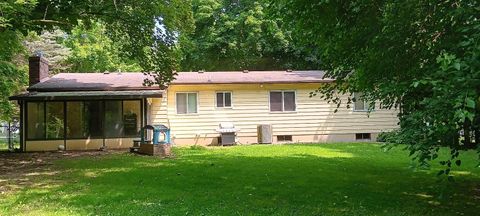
x,y
264,134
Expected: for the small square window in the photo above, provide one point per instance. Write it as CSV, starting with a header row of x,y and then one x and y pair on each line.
x,y
224,99
186,103
284,138
363,136
281,101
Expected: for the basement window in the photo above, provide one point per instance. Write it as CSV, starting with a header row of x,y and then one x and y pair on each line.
x,y
284,138
363,136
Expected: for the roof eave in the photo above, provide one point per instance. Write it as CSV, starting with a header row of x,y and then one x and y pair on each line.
x,y
265,82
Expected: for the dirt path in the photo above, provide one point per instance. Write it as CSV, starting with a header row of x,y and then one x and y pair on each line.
x,y
18,170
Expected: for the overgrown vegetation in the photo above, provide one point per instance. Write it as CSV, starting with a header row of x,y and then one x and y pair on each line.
x,y
147,31
422,57
328,179
237,35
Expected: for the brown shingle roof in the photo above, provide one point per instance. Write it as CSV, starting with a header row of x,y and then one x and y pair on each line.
x,y
228,77
134,81
92,82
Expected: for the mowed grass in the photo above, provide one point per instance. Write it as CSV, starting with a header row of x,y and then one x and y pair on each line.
x,y
326,179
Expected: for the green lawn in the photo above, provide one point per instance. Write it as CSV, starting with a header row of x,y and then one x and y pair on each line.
x,y
3,144
328,179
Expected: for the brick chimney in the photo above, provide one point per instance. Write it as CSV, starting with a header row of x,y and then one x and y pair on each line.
x,y
37,69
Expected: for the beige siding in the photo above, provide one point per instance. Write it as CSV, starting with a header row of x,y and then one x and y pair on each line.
x,y
119,143
84,144
313,121
43,145
159,111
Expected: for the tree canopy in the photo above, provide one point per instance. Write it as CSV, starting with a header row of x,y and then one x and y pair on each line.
x,y
236,35
148,31
422,57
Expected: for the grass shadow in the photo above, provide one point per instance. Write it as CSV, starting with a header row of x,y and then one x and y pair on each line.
x,y
337,179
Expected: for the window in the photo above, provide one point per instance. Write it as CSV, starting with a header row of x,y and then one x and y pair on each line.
x,y
45,120
186,103
224,99
75,120
55,120
284,138
363,136
132,121
359,104
282,101
85,119
113,119
35,120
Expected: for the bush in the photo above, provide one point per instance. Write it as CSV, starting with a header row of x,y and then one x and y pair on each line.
x,y
389,136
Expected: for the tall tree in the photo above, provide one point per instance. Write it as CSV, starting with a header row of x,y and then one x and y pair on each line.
x,y
93,51
420,56
49,44
148,29
234,35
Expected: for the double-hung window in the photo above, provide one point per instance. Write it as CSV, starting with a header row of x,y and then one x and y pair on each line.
x,y
187,103
224,99
282,101
359,103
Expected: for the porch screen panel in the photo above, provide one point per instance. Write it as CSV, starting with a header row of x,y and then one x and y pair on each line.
x,y
276,101
55,120
94,119
113,119
76,120
131,118
85,119
35,120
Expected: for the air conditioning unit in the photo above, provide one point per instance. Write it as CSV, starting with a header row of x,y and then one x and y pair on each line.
x,y
264,134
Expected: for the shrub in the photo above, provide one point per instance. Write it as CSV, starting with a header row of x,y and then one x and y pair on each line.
x,y
389,136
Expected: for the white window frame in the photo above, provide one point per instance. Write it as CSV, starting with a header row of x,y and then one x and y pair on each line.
x,y
176,101
283,101
231,100
365,105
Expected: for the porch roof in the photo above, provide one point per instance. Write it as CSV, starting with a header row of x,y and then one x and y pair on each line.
x,y
88,95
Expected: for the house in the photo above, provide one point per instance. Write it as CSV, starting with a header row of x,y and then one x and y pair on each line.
x,y
81,111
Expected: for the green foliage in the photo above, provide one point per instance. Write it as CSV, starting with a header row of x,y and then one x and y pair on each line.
x,y
12,78
93,51
49,43
388,136
11,81
422,57
235,35
334,179
148,31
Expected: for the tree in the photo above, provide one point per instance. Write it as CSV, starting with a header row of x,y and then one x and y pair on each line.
x,y
148,30
235,35
49,44
420,56
12,77
93,51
